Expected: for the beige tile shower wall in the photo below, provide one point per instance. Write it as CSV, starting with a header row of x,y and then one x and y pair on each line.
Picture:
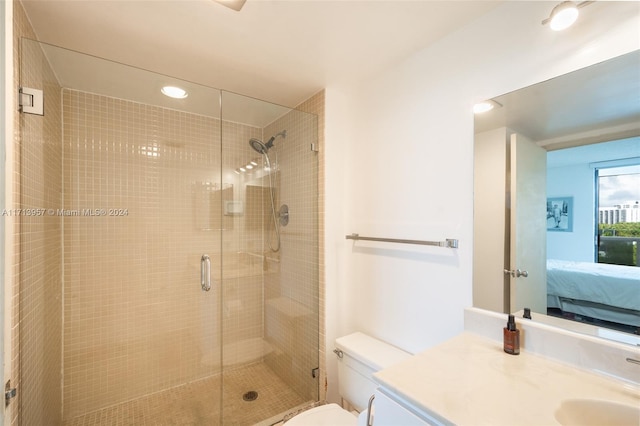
x,y
37,363
136,319
292,305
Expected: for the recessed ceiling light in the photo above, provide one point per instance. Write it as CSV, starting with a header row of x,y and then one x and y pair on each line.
x,y
485,106
174,92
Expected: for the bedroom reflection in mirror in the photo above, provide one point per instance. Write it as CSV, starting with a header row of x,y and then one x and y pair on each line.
x,y
593,274
588,122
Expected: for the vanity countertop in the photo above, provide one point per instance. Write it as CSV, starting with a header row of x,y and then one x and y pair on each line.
x,y
470,380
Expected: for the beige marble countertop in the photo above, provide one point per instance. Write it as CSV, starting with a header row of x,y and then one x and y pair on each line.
x,y
470,380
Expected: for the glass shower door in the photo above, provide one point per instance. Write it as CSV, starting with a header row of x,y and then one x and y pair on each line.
x,y
270,283
170,271
111,303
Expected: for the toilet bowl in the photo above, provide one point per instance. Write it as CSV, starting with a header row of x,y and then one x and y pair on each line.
x,y
359,356
324,415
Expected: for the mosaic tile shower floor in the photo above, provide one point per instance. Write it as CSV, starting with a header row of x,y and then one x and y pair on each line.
x,y
196,403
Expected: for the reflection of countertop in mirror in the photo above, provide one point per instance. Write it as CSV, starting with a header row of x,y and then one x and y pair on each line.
x,y
582,328
470,380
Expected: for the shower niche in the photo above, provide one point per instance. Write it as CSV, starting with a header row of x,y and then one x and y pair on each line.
x,y
131,330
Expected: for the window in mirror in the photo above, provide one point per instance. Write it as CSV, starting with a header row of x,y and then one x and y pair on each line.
x,y
618,212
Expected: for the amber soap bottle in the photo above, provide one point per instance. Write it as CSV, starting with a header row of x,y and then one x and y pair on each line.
x,y
511,337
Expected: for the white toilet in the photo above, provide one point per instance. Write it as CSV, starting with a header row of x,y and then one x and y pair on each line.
x,y
359,356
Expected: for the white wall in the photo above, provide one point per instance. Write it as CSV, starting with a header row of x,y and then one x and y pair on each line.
x,y
408,166
575,181
336,199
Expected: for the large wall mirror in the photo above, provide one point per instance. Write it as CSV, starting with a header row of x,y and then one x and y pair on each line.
x,y
557,201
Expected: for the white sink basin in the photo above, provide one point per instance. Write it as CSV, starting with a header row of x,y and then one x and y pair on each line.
x,y
594,412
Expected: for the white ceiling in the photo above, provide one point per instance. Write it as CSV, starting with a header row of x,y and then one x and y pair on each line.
x,y
594,104
279,51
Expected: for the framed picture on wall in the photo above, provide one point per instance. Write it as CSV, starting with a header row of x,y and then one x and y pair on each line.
x,y
560,214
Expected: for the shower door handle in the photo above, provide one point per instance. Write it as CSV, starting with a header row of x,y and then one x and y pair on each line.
x,y
205,272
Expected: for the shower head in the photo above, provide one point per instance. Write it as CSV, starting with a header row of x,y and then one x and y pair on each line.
x,y
258,146
263,148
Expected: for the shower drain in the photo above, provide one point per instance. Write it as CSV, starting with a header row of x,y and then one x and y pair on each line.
x,y
250,396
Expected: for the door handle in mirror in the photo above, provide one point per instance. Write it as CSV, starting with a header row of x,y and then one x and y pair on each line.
x,y
516,273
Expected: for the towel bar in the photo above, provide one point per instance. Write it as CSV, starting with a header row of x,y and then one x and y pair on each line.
x,y
448,243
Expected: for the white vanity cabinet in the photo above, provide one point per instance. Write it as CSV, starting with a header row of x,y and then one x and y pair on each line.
x,y
391,410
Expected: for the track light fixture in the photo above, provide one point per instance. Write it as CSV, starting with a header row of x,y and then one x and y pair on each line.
x,y
564,15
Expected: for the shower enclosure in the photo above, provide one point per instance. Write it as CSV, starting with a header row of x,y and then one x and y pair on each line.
x,y
159,279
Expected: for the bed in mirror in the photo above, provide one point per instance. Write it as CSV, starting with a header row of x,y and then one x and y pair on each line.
x,y
557,200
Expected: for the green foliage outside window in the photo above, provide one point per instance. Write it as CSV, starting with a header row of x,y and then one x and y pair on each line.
x,y
619,252
627,229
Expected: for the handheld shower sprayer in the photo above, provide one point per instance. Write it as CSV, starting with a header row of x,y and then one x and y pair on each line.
x,y
263,149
